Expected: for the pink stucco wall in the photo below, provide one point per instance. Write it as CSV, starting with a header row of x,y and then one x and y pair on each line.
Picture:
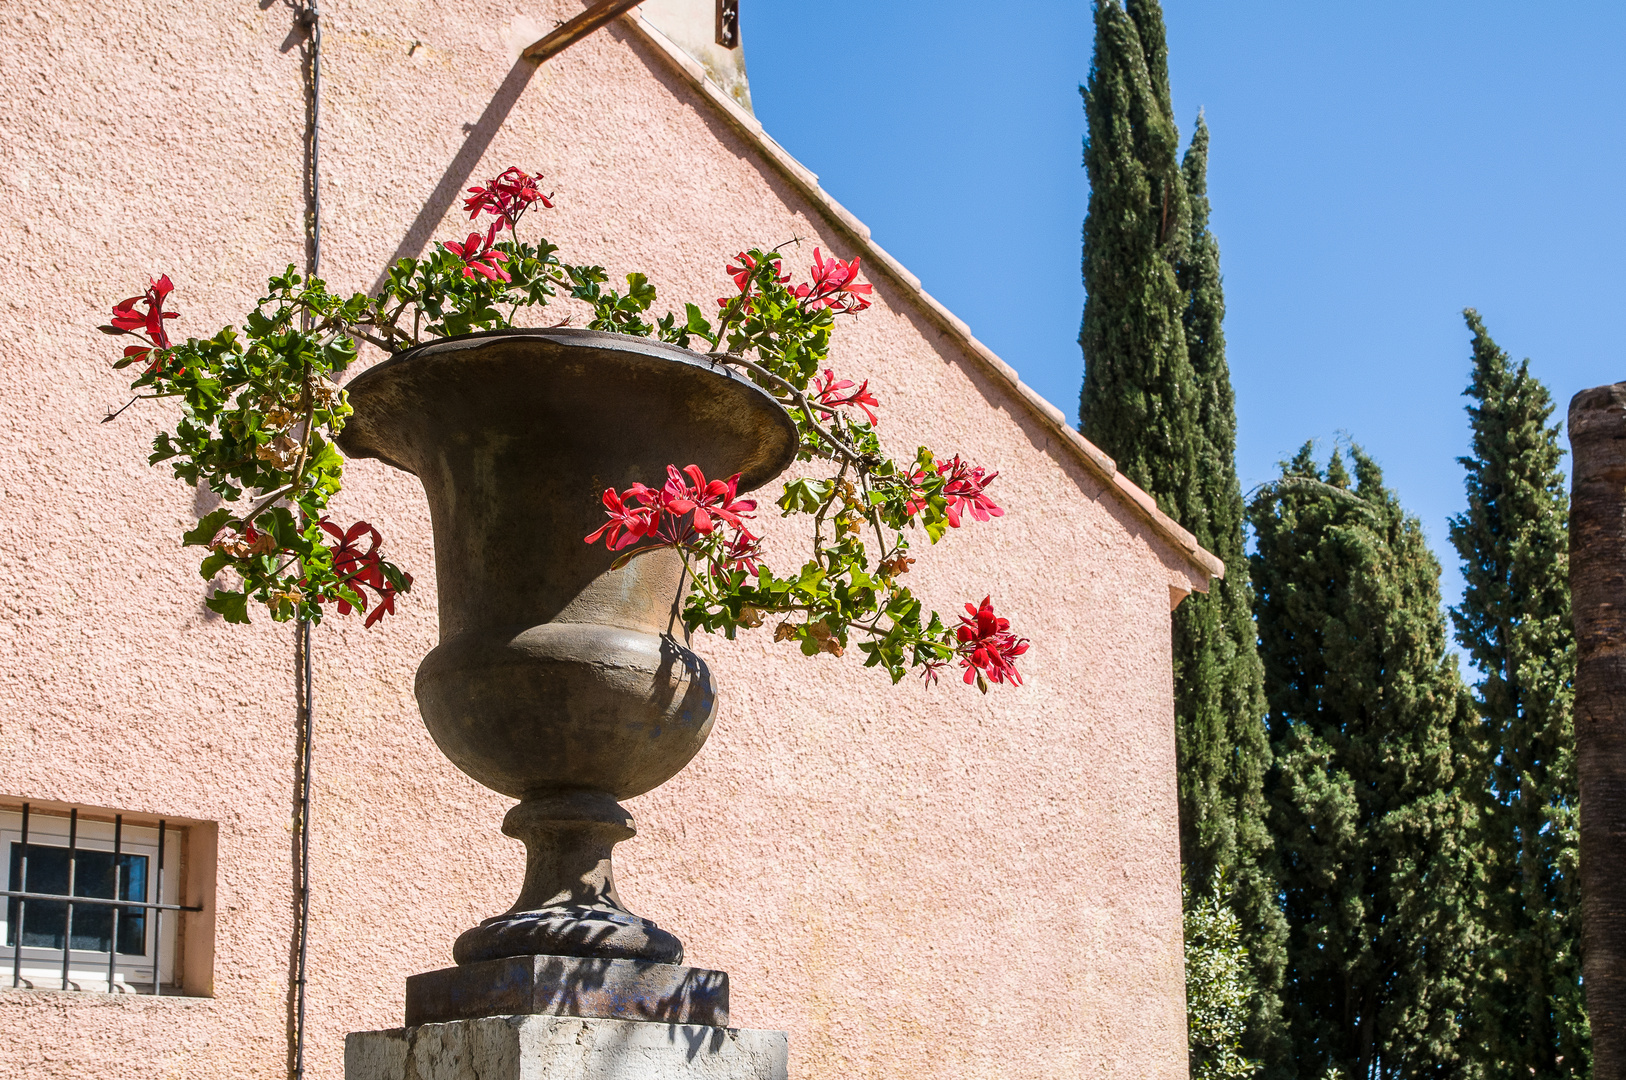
x,y
912,883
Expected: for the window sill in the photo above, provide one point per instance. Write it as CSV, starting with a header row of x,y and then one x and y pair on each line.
x,y
100,999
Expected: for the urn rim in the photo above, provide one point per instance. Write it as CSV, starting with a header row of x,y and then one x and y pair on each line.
x,y
575,337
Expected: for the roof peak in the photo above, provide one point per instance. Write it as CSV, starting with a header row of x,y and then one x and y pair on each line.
x,y
699,27
1202,563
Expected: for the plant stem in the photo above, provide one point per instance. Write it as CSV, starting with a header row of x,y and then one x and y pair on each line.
x,y
798,398
248,519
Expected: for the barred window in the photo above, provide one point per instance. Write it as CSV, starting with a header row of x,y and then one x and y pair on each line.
x,y
91,904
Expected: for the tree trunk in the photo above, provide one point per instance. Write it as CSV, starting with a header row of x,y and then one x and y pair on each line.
x,y
1598,586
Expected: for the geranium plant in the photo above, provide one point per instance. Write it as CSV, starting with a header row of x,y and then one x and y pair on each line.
x,y
260,411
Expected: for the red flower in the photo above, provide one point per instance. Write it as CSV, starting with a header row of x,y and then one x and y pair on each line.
x,y
362,569
506,198
987,647
704,499
828,392
740,553
479,258
964,491
680,514
149,323
742,272
628,524
836,285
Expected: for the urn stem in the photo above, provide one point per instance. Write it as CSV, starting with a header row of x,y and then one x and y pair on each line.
x,y
568,836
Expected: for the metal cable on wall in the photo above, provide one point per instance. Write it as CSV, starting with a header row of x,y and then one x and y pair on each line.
x,y
310,20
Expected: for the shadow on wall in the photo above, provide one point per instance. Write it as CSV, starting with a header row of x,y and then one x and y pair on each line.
x,y
204,503
462,166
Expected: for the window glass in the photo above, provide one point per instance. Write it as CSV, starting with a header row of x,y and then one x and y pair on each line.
x,y
45,921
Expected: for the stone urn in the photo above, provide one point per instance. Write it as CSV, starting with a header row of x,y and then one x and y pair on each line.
x,y
558,680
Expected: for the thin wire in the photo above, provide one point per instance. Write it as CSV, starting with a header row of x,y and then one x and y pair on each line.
x,y
304,850
309,17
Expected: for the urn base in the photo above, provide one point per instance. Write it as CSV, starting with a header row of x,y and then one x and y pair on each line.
x,y
568,905
602,933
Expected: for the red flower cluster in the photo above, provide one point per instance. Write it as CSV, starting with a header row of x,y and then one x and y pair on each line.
x,y
986,645
479,256
679,514
359,568
506,198
835,285
964,491
740,552
828,392
148,324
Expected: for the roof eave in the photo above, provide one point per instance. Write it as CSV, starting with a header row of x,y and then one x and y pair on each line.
x,y
1128,493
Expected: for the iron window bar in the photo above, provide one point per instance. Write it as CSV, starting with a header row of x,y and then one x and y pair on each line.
x,y
22,896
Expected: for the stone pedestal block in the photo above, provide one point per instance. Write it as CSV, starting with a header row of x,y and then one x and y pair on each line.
x,y
564,1048
569,986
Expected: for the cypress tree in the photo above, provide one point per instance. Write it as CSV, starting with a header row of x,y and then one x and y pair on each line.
x,y
1370,727
1528,1018
1157,397
1137,401
1218,678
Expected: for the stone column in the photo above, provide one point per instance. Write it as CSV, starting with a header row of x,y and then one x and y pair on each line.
x,y
1597,420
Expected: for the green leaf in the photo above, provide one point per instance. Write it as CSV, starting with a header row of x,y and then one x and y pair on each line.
x,y
207,528
640,291
214,564
232,605
805,496
279,522
698,324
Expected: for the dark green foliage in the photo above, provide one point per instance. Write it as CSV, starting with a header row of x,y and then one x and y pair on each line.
x,y
1371,728
1219,681
1157,397
1137,403
1528,1018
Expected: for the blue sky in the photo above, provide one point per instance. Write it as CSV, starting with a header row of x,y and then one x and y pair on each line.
x,y
1375,168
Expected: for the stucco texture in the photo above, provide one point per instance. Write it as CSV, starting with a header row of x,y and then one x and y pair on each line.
x,y
912,882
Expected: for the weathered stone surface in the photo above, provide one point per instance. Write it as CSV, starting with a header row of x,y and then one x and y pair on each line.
x,y
569,986
560,1048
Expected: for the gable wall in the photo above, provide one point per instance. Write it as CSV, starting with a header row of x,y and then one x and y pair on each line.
x,y
913,883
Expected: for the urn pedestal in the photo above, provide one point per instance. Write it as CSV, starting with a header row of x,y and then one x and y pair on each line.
x,y
559,681
560,1048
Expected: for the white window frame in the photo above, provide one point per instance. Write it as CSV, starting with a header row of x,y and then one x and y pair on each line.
x,y
41,968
